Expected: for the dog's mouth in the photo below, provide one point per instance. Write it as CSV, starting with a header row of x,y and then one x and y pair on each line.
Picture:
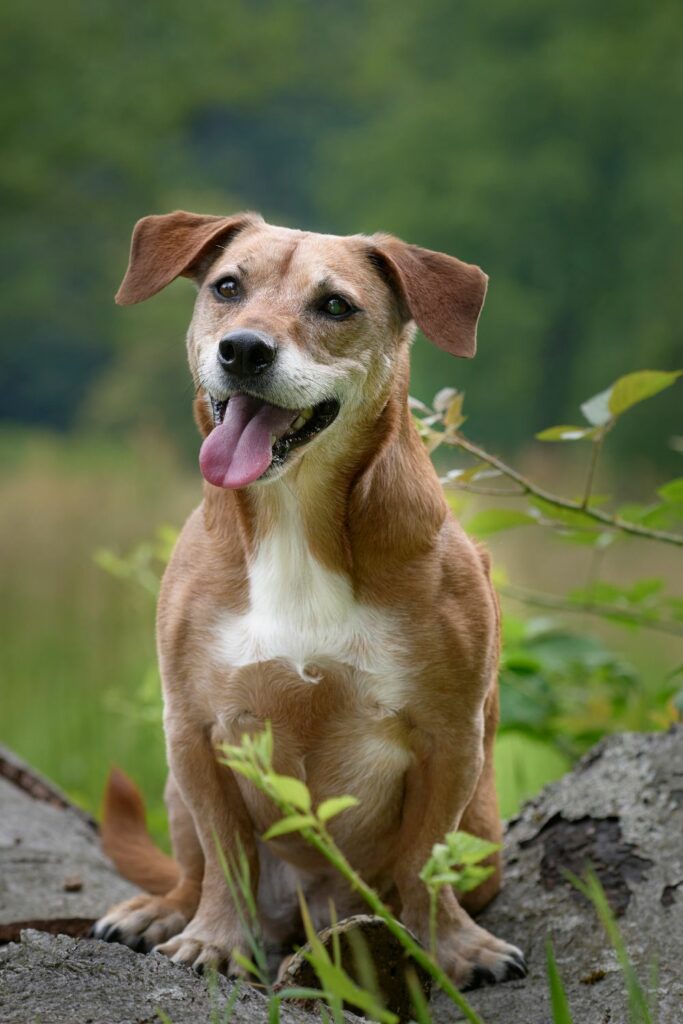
x,y
250,435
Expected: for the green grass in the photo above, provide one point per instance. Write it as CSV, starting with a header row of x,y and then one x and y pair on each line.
x,y
73,636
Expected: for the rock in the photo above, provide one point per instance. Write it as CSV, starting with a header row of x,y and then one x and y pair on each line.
x,y
620,810
61,980
53,875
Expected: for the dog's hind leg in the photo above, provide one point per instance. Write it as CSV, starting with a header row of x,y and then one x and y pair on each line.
x,y
481,817
173,886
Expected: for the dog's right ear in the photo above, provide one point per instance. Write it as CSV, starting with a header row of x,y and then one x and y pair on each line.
x,y
171,245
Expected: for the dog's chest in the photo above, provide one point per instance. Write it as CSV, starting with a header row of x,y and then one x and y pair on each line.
x,y
305,616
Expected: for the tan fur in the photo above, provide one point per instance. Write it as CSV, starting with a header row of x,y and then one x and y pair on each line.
x,y
406,718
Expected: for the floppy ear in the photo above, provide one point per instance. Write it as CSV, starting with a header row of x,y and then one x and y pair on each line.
x,y
443,295
167,246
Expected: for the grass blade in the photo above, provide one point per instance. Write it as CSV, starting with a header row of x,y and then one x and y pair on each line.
x,y
558,996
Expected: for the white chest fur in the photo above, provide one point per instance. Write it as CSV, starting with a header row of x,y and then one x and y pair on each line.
x,y
305,615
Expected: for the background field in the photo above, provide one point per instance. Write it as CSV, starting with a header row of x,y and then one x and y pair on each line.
x,y
540,142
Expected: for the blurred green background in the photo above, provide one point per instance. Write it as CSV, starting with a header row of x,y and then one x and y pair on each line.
x,y
541,141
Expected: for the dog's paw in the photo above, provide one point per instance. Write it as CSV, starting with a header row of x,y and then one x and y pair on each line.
x,y
141,922
200,948
473,957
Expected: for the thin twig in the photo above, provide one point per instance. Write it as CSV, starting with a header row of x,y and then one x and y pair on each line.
x,y
605,611
528,487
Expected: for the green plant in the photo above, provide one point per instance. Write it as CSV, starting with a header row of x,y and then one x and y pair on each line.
x,y
457,862
144,563
567,687
253,759
547,669
454,862
579,520
639,1003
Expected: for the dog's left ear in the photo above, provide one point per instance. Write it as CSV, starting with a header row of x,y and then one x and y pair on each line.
x,y
443,295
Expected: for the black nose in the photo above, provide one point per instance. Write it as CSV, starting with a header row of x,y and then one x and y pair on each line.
x,y
246,353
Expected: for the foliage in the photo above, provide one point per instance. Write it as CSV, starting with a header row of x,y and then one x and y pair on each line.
x,y
558,684
578,521
567,687
144,563
456,861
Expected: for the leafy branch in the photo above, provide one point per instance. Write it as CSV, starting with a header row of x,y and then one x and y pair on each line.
x,y
602,413
527,486
614,612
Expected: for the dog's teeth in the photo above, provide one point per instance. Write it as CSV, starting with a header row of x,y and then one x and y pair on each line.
x,y
306,414
298,423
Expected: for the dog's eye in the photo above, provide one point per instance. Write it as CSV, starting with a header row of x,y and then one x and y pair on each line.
x,y
337,307
227,288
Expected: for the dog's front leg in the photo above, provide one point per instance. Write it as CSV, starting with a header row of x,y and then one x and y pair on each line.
x,y
221,820
438,788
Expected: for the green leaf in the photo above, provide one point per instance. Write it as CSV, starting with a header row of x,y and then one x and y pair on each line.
x,y
558,996
290,790
493,520
605,593
675,605
672,491
565,433
588,538
597,409
643,589
335,805
469,849
636,387
244,962
453,416
294,823
301,993
249,771
472,877
567,516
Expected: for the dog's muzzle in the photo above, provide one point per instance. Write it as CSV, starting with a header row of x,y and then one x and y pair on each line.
x,y
251,435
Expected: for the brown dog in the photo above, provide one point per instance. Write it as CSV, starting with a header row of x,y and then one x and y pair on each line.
x,y
323,585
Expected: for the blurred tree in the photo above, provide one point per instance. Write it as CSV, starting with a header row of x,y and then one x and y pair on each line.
x,y
540,141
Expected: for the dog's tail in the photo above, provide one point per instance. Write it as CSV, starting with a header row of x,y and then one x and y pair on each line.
x,y
127,842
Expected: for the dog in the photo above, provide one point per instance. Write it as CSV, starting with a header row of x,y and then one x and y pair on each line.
x,y
323,586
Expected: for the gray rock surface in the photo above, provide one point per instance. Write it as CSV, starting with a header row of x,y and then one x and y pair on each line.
x,y
53,875
620,810
49,979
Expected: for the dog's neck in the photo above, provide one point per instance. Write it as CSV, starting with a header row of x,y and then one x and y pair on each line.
x,y
367,508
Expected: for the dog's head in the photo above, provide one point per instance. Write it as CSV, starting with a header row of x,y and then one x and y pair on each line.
x,y
296,334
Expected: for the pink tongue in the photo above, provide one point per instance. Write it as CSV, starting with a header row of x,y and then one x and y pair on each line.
x,y
239,450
